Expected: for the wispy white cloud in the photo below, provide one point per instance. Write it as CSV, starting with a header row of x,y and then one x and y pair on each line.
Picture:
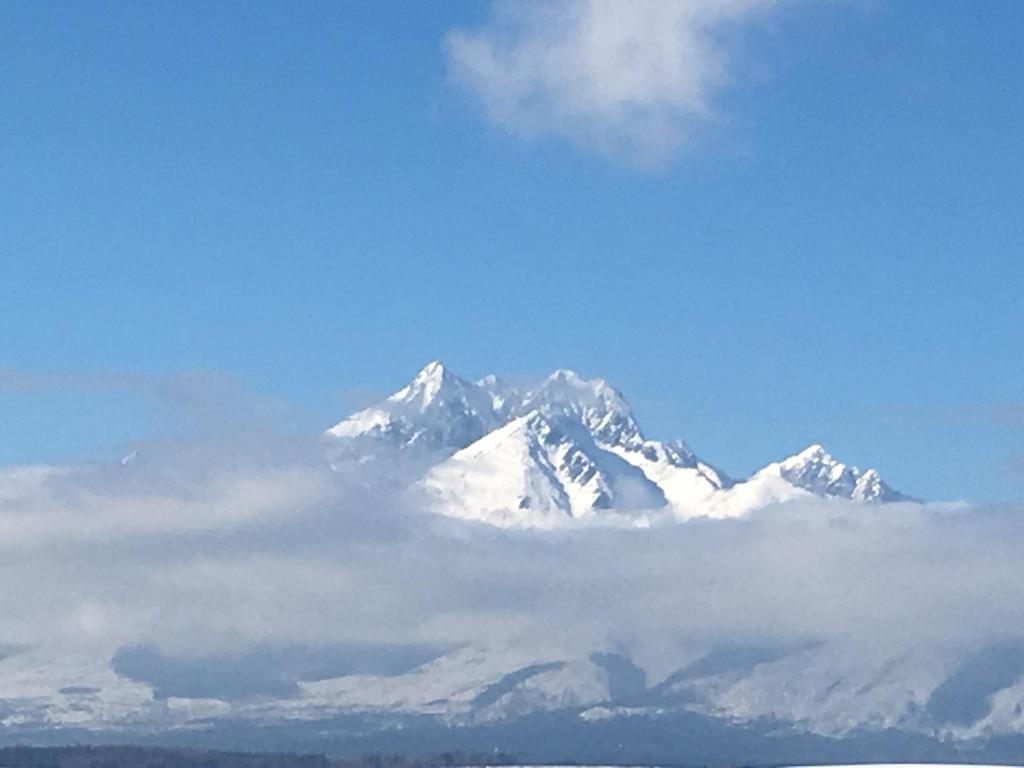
x,y
630,79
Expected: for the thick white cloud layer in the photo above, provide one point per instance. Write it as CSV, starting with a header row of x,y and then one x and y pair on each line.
x,y
630,79
219,555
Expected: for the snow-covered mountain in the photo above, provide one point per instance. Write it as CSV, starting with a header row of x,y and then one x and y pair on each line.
x,y
436,411
815,471
811,473
568,449
538,470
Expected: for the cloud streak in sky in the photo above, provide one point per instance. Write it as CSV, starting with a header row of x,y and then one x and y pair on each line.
x,y
632,80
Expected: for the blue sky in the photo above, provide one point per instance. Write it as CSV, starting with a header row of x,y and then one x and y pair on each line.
x,y
314,200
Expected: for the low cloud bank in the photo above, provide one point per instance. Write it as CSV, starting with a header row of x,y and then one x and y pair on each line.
x,y
196,552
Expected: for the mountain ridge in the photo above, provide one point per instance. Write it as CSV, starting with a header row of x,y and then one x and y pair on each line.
x,y
570,449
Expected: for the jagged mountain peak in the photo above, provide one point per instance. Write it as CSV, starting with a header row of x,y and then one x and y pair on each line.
x,y
572,378
436,411
433,370
813,453
814,469
594,402
814,460
568,386
427,385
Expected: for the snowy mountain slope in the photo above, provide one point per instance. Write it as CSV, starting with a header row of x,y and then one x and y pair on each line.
x,y
55,686
538,470
833,688
593,403
811,473
569,448
684,480
447,686
829,688
436,411
816,471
